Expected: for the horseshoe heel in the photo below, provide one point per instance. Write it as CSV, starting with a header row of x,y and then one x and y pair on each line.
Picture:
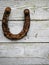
x,y
5,27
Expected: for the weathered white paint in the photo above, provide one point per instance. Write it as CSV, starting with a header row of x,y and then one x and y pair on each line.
x,y
24,61
39,14
24,50
24,53
27,50
38,32
39,9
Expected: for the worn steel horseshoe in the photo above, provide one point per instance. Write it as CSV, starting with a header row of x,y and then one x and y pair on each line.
x,y
5,27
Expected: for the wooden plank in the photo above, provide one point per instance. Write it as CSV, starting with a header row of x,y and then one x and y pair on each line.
x,y
24,53
38,32
39,9
23,61
32,50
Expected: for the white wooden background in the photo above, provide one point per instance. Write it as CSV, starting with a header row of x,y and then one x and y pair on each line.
x,y
34,48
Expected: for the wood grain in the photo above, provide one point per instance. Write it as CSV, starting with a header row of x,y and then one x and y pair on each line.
x,y
38,32
24,61
38,9
34,48
38,50
24,53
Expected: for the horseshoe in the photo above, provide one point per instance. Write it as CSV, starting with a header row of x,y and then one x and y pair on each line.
x,y
5,27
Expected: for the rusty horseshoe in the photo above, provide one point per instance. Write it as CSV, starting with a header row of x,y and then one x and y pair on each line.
x,y
5,27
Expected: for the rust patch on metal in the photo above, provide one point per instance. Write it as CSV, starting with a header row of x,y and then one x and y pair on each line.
x,y
5,27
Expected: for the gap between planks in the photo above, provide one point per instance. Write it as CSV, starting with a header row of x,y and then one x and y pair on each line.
x,y
30,20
